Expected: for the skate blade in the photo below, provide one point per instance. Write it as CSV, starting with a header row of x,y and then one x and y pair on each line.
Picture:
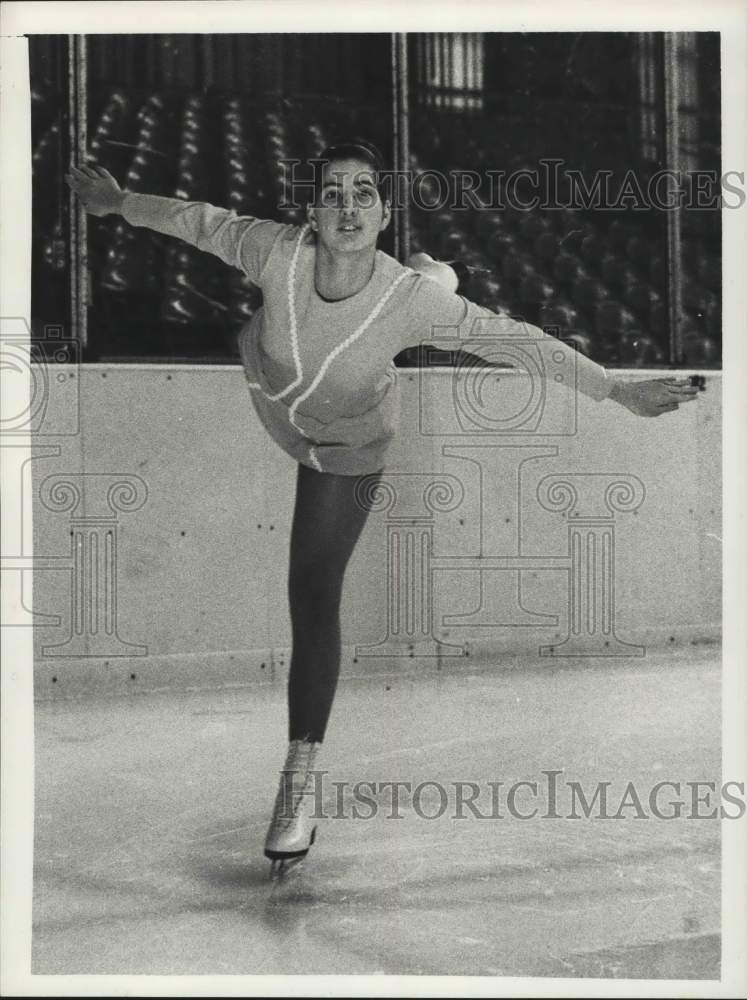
x,y
281,868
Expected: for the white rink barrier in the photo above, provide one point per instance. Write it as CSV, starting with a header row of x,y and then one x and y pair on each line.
x,y
530,523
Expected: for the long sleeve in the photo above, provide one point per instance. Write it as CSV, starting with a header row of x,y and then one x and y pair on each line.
x,y
497,338
241,241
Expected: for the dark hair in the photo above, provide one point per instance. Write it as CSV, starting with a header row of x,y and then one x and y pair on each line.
x,y
352,149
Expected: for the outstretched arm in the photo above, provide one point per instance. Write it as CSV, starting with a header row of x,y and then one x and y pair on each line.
x,y
654,396
98,191
435,304
243,242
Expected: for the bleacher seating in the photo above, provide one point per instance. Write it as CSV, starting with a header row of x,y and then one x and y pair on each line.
x,y
597,278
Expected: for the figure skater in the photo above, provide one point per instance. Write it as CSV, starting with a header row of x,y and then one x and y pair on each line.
x,y
318,357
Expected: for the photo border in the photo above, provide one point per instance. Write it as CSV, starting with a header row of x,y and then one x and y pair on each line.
x,y
15,257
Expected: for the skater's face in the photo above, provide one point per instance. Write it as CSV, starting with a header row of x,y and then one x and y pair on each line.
x,y
349,213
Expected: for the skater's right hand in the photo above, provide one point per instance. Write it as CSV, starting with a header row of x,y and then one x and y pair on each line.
x,y
96,188
652,397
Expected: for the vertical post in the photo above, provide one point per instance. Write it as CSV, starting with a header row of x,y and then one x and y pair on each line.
x,y
396,223
401,134
78,141
671,87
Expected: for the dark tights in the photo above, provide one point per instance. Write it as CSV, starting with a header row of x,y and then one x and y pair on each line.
x,y
327,522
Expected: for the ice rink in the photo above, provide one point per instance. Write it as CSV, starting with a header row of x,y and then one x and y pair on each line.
x,y
151,812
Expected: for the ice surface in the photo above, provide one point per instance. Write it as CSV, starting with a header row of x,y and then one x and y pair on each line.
x,y
152,809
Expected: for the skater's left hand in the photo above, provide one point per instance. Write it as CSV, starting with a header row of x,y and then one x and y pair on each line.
x,y
652,397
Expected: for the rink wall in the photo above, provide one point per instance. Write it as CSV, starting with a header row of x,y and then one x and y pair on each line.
x,y
196,533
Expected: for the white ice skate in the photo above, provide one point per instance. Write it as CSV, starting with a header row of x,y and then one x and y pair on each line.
x,y
292,828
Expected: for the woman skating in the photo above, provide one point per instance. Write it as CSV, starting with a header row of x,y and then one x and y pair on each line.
x,y
318,358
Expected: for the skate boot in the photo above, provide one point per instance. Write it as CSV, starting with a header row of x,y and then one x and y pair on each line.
x,y
292,828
